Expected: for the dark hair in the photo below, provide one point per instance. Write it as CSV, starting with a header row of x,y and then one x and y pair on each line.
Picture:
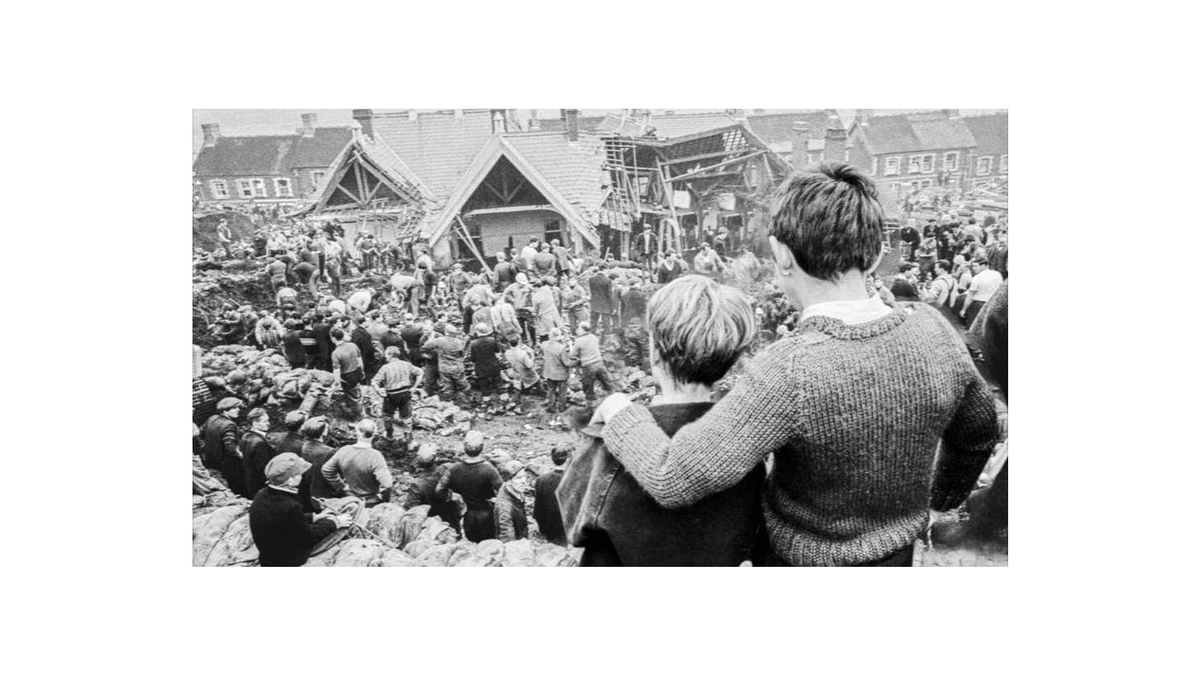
x,y
560,454
336,333
514,341
830,220
314,428
944,265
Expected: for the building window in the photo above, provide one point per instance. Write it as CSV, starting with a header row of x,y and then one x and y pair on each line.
x,y
950,161
981,183
891,166
874,166
260,187
927,164
914,164
219,189
245,190
317,177
283,187
1003,163
983,166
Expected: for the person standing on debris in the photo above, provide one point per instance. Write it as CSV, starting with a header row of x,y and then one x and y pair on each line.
x,y
520,295
511,523
562,258
315,452
225,237
985,281
700,329
587,355
545,310
423,488
523,373
395,382
256,451
707,262
546,511
293,349
283,532
484,351
306,274
543,261
348,365
277,273
477,481
504,319
219,436
603,302
556,371
925,413
449,351
575,303
292,441
505,273
360,470
646,247
404,290
285,296
362,339
670,268
321,326
528,254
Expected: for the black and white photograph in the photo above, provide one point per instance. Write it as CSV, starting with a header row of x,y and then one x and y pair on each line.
x,y
538,337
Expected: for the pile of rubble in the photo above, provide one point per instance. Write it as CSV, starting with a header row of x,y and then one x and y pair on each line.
x,y
391,537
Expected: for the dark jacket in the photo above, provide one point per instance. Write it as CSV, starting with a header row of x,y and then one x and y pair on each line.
x,y
477,482
633,305
256,453
292,441
220,438
412,334
602,294
313,484
485,352
324,342
392,338
423,490
282,531
545,507
293,349
366,346
605,511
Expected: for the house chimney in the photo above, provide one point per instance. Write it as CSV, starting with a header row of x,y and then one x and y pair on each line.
x,y
799,145
835,144
863,116
309,120
951,112
211,133
412,114
571,124
364,118
499,122
534,123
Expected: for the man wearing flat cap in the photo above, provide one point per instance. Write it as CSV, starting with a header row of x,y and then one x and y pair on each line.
x,y
220,442
282,531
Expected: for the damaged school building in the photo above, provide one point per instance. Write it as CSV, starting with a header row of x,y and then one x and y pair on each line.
x,y
466,184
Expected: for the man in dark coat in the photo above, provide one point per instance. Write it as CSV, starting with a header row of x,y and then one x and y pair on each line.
x,y
283,533
320,331
604,305
505,273
256,452
220,438
316,452
545,503
293,348
366,346
423,488
292,440
478,482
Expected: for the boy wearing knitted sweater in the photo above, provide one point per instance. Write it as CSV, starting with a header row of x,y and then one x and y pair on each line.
x,y
873,414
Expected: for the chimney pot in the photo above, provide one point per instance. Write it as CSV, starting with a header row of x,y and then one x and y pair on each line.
x,y
364,117
835,144
800,133
571,124
309,120
211,133
412,115
499,122
534,123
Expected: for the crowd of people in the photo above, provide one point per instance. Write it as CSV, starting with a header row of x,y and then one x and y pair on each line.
x,y
825,451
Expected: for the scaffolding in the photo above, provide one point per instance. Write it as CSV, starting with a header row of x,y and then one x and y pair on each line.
x,y
622,206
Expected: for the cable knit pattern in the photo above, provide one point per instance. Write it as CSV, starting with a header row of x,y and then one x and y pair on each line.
x,y
854,415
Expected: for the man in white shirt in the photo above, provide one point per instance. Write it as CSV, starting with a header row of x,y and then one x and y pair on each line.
x,y
984,284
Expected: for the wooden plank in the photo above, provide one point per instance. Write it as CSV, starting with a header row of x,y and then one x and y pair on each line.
x,y
715,166
466,237
707,155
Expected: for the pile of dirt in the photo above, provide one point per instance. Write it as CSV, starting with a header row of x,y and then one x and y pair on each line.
x,y
392,537
204,228
212,290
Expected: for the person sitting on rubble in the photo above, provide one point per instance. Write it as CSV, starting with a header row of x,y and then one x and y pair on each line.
x,y
256,451
546,511
477,481
924,412
511,522
395,382
698,331
316,452
283,531
359,470
423,488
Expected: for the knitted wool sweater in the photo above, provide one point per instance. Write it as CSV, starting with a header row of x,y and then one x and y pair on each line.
x,y
854,414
